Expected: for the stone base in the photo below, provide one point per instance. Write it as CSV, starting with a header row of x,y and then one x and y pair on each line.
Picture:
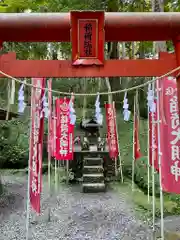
x,y
93,187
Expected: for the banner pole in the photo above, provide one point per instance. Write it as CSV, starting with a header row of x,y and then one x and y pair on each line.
x,y
28,200
49,141
133,158
29,169
119,153
153,185
49,184
115,166
148,155
58,174
148,163
153,172
55,137
159,161
55,175
67,171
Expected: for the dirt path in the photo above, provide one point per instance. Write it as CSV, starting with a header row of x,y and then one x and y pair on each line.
x,y
75,216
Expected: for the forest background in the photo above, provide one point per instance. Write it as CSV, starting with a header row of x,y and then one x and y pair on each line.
x,y
14,134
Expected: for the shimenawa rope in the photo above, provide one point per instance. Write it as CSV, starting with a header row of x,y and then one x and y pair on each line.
x,y
94,94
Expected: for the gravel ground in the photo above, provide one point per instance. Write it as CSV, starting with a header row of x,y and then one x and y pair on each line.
x,y
74,215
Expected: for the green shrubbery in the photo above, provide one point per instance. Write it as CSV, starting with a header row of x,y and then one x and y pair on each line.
x,y
13,144
141,177
171,201
12,157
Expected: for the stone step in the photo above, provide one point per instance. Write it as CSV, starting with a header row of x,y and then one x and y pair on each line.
x,y
93,178
93,161
93,154
93,169
93,187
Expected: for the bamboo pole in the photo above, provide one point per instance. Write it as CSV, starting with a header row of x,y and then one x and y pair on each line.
x,y
28,187
133,158
153,172
59,167
159,161
8,100
55,168
12,95
119,153
148,161
148,151
67,171
55,175
49,158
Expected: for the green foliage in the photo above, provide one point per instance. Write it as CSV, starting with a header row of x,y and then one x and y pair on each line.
x,y
141,176
13,154
141,204
53,50
12,157
140,200
14,135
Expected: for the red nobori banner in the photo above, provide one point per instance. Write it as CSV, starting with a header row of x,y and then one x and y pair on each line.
x,y
50,129
87,37
111,128
63,130
36,142
170,136
153,138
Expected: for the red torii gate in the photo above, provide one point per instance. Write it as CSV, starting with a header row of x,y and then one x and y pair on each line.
x,y
112,27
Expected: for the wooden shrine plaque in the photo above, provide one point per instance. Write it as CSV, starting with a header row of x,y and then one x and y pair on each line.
x,y
87,37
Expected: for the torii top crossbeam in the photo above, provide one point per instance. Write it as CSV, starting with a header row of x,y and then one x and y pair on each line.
x,y
55,27
88,32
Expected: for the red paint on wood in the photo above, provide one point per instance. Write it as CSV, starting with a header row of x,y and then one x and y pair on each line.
x,y
87,37
64,68
55,27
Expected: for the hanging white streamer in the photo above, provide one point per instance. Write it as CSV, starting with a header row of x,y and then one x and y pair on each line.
x,y
126,111
45,106
150,99
21,103
72,112
98,114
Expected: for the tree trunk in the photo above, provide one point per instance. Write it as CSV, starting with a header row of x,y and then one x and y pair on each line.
x,y
113,50
158,6
113,54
